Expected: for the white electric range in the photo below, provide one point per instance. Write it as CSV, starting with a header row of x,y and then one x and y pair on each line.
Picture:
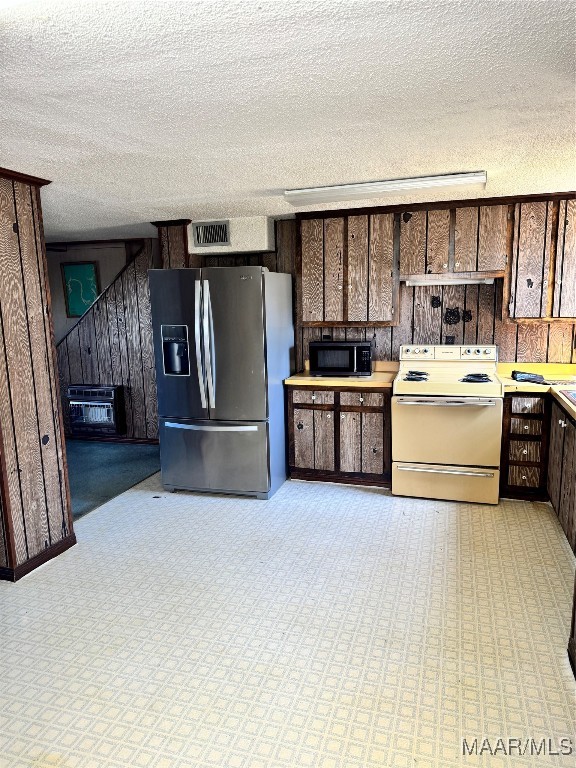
x,y
447,423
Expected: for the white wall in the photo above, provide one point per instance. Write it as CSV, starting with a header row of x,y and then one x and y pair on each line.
x,y
111,257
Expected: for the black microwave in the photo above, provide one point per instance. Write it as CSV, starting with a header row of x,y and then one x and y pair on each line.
x,y
340,358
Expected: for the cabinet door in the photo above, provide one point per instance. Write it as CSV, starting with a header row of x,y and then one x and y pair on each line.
x,y
413,243
565,271
312,234
303,438
438,241
555,456
383,270
334,270
529,277
350,441
357,283
373,443
324,440
567,511
492,238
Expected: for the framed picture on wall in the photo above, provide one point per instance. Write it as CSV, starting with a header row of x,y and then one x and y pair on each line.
x,y
81,283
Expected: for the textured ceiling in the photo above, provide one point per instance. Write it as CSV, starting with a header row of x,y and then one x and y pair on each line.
x,y
140,111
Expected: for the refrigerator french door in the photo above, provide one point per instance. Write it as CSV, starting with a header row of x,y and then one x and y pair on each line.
x,y
219,386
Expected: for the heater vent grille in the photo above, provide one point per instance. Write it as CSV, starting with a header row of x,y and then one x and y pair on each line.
x,y
211,233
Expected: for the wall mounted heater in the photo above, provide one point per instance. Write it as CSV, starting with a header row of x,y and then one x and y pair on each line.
x,y
96,411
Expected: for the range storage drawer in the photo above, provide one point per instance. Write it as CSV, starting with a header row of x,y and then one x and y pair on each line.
x,y
527,405
435,481
525,426
524,450
528,477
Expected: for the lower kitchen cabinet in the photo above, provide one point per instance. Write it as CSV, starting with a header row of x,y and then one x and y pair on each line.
x,y
340,435
524,456
562,471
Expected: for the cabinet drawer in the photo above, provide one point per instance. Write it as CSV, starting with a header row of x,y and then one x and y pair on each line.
x,y
521,450
528,477
527,405
525,426
371,399
313,397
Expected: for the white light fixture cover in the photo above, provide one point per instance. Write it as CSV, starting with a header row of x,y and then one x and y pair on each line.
x,y
312,195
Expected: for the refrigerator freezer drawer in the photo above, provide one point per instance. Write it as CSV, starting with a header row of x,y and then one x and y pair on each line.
x,y
441,481
215,455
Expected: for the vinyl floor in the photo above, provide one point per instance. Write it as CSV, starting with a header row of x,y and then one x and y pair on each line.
x,y
332,626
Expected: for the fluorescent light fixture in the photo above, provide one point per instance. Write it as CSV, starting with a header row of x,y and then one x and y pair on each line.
x,y
412,281
312,195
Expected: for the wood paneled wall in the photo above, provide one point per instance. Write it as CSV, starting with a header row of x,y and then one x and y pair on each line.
x,y
35,500
476,318
112,344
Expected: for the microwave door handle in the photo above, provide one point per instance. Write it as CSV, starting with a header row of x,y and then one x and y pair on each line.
x,y
355,348
198,343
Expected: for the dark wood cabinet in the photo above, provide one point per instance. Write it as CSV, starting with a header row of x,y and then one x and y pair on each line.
x,y
540,283
564,304
562,471
467,239
524,446
339,435
349,270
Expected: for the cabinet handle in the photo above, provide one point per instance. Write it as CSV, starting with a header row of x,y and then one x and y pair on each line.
x,y
523,477
457,264
361,399
313,397
300,426
374,450
525,452
526,427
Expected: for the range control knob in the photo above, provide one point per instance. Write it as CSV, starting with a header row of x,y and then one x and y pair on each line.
x,y
478,351
487,351
468,351
425,351
407,350
416,350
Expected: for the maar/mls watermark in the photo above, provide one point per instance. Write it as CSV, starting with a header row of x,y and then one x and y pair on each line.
x,y
518,747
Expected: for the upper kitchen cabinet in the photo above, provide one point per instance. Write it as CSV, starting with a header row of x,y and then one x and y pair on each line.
x,y
564,304
349,270
461,240
542,277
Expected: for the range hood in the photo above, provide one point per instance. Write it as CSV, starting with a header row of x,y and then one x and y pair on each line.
x,y
451,278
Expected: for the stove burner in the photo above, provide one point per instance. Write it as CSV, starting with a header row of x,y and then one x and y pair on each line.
x,y
411,377
418,373
476,378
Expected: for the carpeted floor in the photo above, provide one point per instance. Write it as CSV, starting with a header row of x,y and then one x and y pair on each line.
x,y
330,627
100,471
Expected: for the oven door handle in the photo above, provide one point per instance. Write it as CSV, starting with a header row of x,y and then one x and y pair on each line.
x,y
446,471
446,402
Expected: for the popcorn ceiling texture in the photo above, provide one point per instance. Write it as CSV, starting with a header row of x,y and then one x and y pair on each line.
x,y
148,110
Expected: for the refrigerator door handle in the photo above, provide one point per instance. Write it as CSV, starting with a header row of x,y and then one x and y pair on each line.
x,y
210,428
197,341
209,345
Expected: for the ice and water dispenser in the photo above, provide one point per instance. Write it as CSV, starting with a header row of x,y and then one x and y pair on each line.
x,y
175,350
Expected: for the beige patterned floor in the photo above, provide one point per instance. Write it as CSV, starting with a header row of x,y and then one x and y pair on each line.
x,y
332,626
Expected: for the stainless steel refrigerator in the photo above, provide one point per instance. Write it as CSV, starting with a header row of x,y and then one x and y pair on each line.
x,y
223,341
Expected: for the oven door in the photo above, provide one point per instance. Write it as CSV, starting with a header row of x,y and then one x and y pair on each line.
x,y
461,431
